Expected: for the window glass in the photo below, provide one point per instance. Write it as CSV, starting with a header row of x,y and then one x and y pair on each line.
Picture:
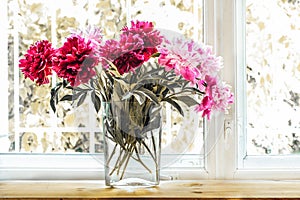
x,y
33,128
273,77
185,18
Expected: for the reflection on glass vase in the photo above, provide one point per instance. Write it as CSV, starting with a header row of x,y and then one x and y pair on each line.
x,y
132,143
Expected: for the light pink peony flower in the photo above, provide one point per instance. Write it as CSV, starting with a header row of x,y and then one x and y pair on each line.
x,y
210,63
182,53
37,64
197,64
222,96
182,56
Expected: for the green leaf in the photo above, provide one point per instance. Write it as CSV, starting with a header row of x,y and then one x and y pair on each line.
x,y
52,104
96,101
127,95
155,55
109,76
189,101
92,83
102,89
70,87
54,96
175,104
153,71
59,84
76,95
81,99
78,89
154,110
148,94
65,83
140,98
171,87
67,97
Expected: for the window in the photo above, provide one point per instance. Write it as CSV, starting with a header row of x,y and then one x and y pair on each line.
x,y
69,145
267,128
259,138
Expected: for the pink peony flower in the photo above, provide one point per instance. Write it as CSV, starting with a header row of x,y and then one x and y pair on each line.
x,y
205,107
136,26
189,74
75,60
94,34
37,62
217,97
136,45
169,61
109,51
145,30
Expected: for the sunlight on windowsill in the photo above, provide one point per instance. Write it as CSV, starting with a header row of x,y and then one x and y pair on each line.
x,y
202,189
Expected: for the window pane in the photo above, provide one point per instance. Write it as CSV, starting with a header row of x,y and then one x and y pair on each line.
x,y
32,127
273,76
183,16
180,135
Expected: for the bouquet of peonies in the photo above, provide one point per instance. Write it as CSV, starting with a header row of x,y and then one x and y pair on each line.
x,y
132,77
193,66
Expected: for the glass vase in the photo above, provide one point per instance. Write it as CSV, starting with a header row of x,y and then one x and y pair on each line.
x,y
132,143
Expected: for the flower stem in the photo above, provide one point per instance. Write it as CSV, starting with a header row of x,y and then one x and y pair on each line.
x,y
140,160
111,155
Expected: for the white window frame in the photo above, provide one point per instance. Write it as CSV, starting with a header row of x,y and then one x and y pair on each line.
x,y
234,163
224,24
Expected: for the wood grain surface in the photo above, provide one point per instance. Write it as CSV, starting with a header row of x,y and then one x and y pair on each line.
x,y
206,189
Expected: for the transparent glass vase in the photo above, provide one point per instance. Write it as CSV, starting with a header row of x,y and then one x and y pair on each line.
x,y
132,143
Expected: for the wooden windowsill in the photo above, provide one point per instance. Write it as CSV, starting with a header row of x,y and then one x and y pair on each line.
x,y
202,189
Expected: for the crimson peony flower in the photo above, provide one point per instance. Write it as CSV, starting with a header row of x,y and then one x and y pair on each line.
x,y
75,60
136,45
131,60
37,62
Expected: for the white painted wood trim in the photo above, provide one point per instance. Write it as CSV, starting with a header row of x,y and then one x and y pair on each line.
x,y
4,70
85,167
